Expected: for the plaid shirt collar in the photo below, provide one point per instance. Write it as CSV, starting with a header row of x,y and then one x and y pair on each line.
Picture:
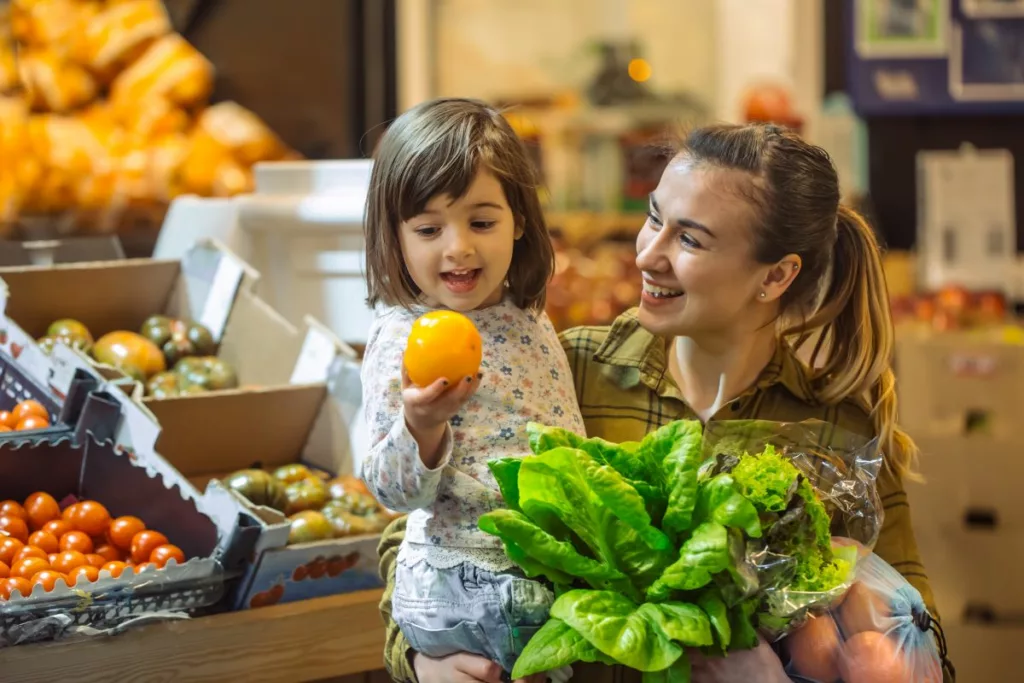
x,y
641,357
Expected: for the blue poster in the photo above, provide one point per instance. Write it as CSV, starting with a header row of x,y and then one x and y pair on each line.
x,y
908,57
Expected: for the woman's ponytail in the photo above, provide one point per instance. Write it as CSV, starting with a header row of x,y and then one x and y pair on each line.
x,y
857,338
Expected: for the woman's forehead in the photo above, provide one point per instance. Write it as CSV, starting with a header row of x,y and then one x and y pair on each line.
x,y
717,197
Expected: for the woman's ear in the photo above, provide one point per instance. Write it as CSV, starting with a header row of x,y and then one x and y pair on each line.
x,y
779,278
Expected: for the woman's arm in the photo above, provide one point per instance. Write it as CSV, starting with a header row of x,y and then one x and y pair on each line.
x,y
397,653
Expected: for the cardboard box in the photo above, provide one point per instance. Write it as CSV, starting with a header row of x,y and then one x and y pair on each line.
x,y
280,369
959,383
320,438
164,500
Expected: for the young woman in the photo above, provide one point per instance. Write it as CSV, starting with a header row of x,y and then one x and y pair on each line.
x,y
746,254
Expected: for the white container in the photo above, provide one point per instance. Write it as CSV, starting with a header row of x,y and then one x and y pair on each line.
x,y
302,229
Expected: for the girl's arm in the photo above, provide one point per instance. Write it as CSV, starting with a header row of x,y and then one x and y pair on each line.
x,y
394,469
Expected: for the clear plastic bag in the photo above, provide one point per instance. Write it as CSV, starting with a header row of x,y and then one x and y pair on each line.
x,y
842,469
878,631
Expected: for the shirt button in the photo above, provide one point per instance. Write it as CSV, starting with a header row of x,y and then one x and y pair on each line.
x,y
737,406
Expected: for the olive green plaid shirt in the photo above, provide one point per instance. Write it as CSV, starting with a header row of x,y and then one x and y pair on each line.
x,y
625,391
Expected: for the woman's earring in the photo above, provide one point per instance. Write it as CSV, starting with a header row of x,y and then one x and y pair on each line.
x,y
763,295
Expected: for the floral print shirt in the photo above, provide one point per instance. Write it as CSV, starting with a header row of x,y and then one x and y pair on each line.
x,y
526,377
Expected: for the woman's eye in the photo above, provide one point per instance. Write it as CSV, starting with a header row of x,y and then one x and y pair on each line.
x,y
653,218
686,239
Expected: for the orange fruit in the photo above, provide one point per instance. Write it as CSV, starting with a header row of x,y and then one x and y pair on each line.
x,y
442,344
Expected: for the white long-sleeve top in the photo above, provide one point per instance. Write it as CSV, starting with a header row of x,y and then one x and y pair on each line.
x,y
526,377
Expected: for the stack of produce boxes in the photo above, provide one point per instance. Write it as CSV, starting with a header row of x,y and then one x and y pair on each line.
x,y
960,400
233,396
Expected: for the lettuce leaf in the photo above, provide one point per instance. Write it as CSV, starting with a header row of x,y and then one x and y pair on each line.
x,y
701,556
555,645
676,447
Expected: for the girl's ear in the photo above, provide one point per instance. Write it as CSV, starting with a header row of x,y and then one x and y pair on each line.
x,y
519,229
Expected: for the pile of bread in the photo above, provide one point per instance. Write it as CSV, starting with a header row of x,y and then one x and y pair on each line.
x,y
103,107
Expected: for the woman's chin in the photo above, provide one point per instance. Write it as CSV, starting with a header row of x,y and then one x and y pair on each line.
x,y
662,320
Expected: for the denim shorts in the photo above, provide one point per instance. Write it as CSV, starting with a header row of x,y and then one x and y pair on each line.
x,y
468,609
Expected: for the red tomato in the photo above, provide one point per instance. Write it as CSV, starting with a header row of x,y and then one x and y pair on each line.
x,y
144,543
29,408
29,567
115,568
85,572
9,548
122,531
15,527
57,527
13,508
32,422
68,560
48,579
41,508
45,541
76,540
16,584
162,554
90,517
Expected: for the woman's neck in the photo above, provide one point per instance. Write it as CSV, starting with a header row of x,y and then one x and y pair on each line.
x,y
710,375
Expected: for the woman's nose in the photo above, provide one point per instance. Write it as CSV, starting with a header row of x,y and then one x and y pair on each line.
x,y
650,250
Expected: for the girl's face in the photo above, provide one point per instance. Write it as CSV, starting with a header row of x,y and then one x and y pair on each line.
x,y
696,256
458,251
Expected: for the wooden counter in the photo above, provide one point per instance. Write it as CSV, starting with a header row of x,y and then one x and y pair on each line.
x,y
324,638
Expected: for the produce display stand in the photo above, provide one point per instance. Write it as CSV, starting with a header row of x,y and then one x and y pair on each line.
x,y
338,638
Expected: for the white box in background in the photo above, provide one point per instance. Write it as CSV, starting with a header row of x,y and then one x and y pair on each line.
x,y
966,229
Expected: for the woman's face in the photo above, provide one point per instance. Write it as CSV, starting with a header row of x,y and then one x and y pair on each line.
x,y
696,256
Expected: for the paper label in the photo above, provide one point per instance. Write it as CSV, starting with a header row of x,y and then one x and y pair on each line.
x,y
221,296
315,359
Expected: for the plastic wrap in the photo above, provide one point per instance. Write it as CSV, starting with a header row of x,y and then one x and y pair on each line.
x,y
841,467
879,631
691,538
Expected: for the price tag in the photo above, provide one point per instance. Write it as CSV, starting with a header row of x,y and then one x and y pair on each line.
x,y
315,359
221,296
32,360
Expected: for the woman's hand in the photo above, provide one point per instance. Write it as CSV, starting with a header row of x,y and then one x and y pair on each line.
x,y
462,668
759,664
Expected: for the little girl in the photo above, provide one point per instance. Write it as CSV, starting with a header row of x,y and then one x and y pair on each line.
x,y
453,221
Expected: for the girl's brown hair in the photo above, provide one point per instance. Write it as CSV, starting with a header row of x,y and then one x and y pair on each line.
x,y
436,148
840,294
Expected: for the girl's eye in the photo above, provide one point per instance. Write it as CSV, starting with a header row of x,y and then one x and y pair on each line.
x,y
427,231
483,225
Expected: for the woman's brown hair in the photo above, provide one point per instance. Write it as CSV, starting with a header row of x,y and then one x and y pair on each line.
x,y
436,148
840,294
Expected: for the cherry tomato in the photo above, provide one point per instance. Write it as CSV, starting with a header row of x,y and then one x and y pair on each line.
x,y
45,541
32,422
29,408
13,585
144,543
13,508
41,508
95,560
9,548
85,572
5,571
115,568
67,512
123,530
52,557
90,517
139,567
66,561
29,567
7,419
76,540
109,552
48,579
30,551
57,527
15,527
164,553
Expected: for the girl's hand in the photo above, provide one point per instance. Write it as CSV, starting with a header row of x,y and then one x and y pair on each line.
x,y
462,668
428,408
759,664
